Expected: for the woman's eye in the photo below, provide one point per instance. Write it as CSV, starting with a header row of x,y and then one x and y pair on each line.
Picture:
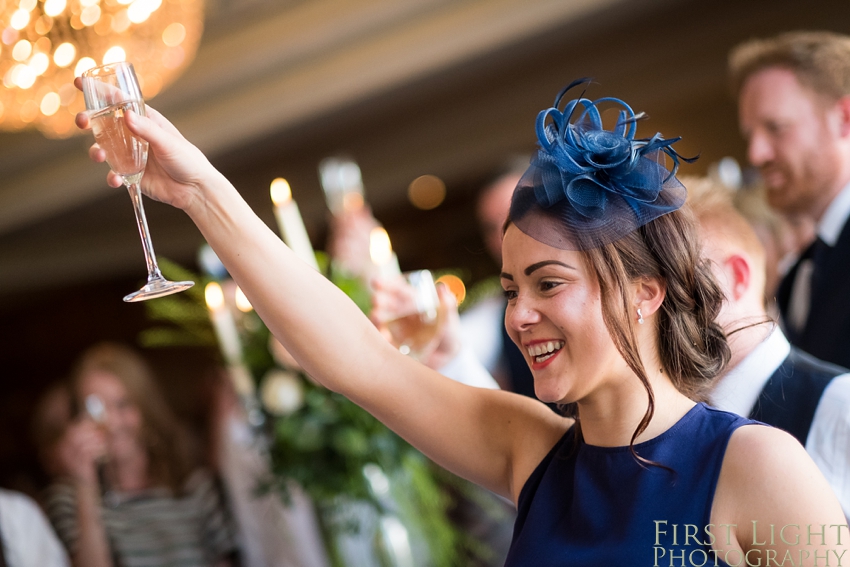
x,y
548,285
509,294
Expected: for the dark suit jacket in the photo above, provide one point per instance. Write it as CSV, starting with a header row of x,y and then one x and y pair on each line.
x,y
791,396
827,332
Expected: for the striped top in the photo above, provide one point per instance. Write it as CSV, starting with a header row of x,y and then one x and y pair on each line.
x,y
154,529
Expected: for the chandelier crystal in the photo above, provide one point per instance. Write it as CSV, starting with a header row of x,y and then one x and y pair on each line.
x,y
45,44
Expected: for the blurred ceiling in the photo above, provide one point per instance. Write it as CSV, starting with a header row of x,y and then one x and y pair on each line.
x,y
446,87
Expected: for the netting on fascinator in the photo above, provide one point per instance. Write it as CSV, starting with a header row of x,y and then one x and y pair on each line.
x,y
588,186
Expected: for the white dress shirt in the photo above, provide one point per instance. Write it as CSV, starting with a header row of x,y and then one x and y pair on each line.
x,y
828,442
481,337
27,537
835,217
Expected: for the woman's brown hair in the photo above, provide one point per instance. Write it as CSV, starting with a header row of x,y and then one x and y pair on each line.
x,y
163,438
692,347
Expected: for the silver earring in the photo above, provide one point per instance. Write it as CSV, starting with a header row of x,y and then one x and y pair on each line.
x,y
640,317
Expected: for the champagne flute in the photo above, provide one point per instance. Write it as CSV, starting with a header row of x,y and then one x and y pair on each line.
x,y
110,91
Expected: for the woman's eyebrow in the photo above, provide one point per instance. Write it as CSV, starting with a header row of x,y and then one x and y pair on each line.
x,y
529,270
506,276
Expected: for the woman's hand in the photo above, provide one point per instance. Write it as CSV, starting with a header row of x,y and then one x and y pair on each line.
x,y
175,168
79,449
394,298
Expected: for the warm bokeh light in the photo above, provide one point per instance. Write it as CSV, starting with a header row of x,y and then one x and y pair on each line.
x,y
53,8
114,55
50,104
426,192
174,34
214,296
455,285
241,300
280,191
19,19
39,63
64,54
46,43
21,50
83,65
380,249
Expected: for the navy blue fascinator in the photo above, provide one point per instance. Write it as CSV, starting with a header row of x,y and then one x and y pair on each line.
x,y
588,186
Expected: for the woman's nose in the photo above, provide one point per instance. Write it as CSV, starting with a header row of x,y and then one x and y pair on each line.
x,y
522,314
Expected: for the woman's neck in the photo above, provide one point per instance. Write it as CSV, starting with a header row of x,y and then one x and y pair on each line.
x,y
129,473
609,417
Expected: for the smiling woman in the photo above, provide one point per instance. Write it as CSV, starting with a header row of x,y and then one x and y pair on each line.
x,y
615,315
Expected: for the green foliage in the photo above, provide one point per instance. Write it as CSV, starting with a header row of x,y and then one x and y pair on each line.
x,y
182,319
324,446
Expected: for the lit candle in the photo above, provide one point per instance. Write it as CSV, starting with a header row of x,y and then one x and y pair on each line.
x,y
290,223
228,339
223,323
381,252
242,303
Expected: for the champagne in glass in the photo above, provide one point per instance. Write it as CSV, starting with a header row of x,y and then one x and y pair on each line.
x,y
417,324
110,92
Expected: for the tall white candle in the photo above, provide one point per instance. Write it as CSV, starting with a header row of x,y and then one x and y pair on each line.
x,y
290,223
228,339
381,252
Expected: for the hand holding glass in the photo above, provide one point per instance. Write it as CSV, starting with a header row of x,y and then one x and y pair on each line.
x,y
110,91
416,326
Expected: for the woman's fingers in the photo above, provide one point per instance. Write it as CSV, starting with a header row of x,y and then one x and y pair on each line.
x,y
162,121
96,153
114,180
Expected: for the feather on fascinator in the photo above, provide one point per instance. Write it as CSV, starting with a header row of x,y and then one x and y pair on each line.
x,y
588,186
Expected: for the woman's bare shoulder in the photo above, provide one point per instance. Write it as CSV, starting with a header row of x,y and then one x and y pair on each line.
x,y
534,429
768,479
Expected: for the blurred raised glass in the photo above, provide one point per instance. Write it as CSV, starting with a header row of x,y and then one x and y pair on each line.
x,y
414,331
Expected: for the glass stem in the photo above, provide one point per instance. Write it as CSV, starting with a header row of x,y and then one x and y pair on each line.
x,y
142,222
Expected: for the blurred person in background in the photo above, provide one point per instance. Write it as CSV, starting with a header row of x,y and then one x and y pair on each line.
x,y
767,379
128,493
783,240
26,537
794,112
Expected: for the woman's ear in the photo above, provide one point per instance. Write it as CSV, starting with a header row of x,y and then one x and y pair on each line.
x,y
648,295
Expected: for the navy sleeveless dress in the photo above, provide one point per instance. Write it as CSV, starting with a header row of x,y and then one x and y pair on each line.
x,y
588,506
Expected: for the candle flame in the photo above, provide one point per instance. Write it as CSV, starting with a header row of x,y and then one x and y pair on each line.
x,y
380,249
214,296
280,191
242,303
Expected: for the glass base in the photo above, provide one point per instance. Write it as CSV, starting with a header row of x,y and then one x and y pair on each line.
x,y
157,288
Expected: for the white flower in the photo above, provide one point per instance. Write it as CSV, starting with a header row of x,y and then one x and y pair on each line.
x,y
281,392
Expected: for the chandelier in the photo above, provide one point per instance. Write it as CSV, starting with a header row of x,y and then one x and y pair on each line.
x,y
44,44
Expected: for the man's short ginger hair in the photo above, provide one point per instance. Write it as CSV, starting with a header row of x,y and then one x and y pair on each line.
x,y
820,60
713,205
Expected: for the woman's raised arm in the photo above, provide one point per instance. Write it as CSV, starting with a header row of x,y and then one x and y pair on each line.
x,y
490,437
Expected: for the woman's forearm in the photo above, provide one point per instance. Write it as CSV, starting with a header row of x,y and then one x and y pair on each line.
x,y
92,545
311,317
